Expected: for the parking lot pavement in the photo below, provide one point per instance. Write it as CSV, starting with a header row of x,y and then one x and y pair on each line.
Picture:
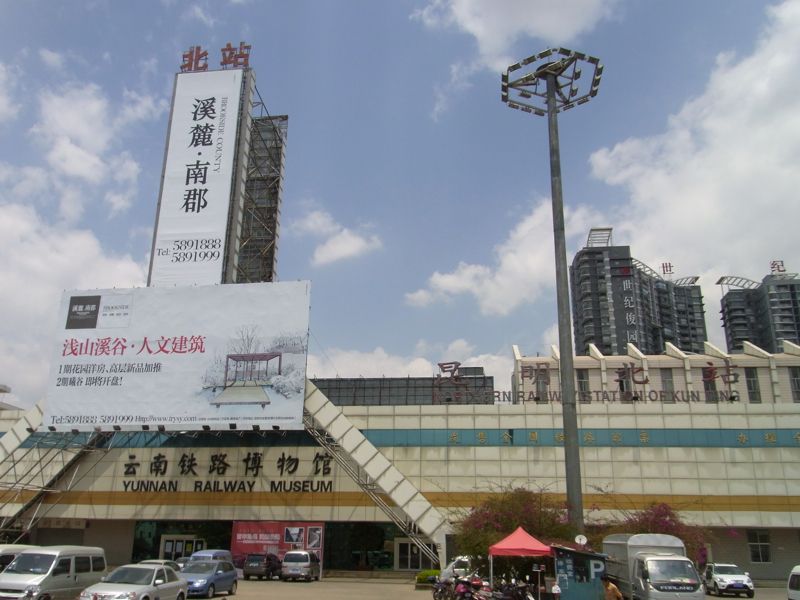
x,y
372,589
330,589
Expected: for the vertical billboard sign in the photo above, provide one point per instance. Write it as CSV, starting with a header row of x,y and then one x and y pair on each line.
x,y
189,241
189,358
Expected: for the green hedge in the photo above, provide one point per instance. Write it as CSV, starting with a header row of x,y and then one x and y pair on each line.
x,y
422,576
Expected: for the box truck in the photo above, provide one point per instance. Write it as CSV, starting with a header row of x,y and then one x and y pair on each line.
x,y
651,566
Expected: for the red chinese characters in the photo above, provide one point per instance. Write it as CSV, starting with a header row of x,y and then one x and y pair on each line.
x,y
179,344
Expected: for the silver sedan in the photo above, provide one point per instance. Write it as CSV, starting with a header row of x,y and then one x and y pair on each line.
x,y
138,582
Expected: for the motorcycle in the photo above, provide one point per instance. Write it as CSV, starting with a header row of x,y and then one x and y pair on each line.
x,y
440,589
514,590
463,589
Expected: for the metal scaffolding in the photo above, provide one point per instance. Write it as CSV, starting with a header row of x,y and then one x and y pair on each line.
x,y
262,197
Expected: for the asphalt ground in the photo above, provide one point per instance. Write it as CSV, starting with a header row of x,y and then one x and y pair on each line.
x,y
335,588
332,589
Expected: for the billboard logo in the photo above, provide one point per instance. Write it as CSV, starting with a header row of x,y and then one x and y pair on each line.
x,y
83,312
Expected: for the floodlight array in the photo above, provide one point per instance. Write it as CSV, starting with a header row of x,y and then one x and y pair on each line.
x,y
529,92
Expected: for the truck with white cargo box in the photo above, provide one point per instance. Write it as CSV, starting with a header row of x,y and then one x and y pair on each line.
x,y
651,566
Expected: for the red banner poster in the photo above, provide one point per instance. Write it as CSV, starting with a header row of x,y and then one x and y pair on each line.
x,y
276,537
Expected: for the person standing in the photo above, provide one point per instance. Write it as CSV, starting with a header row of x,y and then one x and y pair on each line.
x,y
611,591
556,591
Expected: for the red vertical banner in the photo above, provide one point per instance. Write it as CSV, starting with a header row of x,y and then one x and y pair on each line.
x,y
276,537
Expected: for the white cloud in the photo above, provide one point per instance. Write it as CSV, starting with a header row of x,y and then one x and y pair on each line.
x,y
52,59
125,169
78,128
40,261
339,362
340,242
716,193
71,204
23,182
316,222
119,202
139,107
523,270
77,112
495,28
459,82
196,13
8,108
72,160
343,245
549,338
459,350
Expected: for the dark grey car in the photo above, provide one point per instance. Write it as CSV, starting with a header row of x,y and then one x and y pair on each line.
x,y
261,566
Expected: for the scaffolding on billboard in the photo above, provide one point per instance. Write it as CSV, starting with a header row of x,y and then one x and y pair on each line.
x,y
258,243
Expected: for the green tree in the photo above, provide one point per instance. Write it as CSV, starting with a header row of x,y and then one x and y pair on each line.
x,y
660,518
539,513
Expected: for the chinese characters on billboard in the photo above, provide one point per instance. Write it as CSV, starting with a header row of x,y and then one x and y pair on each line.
x,y
181,358
189,244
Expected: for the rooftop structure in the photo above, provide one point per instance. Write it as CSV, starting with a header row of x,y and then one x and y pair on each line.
x,y
765,313
617,300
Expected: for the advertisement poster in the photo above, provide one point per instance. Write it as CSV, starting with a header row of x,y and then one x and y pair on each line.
x,y
192,358
189,244
276,537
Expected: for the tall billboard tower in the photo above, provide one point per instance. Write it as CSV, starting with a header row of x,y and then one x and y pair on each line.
x,y
219,204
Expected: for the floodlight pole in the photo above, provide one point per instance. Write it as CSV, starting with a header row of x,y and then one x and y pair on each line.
x,y
572,459
558,74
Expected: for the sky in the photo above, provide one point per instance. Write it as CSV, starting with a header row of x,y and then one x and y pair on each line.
x,y
414,200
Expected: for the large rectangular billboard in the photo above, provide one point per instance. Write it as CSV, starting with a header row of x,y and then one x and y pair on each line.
x,y
188,358
193,208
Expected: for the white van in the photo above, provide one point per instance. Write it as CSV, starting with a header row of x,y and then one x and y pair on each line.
x,y
793,585
52,573
300,564
8,552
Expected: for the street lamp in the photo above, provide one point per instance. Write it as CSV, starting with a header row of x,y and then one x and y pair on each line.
x,y
550,86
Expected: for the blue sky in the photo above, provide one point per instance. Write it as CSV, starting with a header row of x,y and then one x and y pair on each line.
x,y
416,203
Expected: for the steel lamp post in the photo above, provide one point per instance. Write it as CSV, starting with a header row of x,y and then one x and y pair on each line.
x,y
548,86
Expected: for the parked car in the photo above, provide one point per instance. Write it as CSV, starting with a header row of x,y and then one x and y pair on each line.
x,y
261,566
207,577
8,552
212,555
162,561
52,572
727,578
793,585
300,564
181,562
141,581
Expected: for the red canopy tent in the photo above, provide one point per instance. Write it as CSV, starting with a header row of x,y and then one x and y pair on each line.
x,y
519,543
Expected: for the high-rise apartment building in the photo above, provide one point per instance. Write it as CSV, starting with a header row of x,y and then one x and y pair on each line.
x,y
617,299
763,313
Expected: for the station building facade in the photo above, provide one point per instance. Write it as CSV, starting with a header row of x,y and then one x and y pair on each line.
x,y
717,436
